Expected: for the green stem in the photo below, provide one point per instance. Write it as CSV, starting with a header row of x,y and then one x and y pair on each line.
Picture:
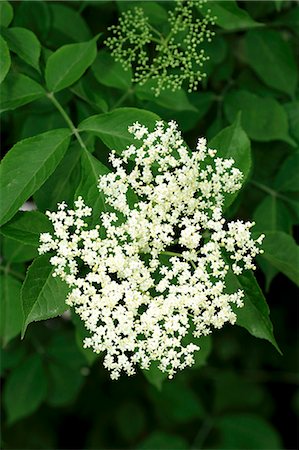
x,y
179,255
7,270
66,117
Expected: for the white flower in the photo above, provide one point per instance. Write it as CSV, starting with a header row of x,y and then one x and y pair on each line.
x,y
162,264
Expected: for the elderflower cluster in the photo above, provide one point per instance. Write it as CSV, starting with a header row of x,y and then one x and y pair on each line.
x,y
169,58
151,276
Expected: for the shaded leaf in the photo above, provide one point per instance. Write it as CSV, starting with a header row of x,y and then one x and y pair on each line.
x,y
26,227
110,72
25,388
5,59
6,13
18,90
25,44
43,296
11,310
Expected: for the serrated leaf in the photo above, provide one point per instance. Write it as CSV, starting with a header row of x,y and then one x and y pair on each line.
x,y
281,250
232,142
263,118
265,50
65,66
91,169
11,311
18,90
112,127
27,166
43,296
5,59
25,389
6,13
110,72
25,44
26,227
254,315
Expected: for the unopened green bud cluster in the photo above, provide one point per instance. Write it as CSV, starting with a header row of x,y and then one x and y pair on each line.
x,y
169,60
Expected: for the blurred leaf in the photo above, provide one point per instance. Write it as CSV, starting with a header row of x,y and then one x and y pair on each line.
x,y
91,169
155,376
129,428
27,166
10,357
18,90
35,17
112,127
266,50
6,13
26,227
64,384
174,100
110,72
159,440
247,431
81,333
62,349
272,215
25,389
25,44
228,15
232,142
290,18
263,118
5,59
292,110
287,179
281,250
254,315
40,123
67,25
11,311
68,63
43,296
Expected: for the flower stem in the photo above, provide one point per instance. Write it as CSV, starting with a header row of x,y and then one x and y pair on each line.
x,y
66,117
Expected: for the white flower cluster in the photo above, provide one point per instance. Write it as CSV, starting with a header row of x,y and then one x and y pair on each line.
x,y
160,269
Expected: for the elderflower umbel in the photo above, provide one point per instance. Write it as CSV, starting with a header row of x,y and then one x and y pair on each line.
x,y
151,277
169,58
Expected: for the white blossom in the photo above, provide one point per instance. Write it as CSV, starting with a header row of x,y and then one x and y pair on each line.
x,y
155,268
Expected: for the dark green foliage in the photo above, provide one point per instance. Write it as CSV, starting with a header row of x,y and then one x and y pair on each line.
x,y
65,103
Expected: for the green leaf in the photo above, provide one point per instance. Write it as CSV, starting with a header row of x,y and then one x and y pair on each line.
x,y
176,101
228,15
25,44
155,376
18,90
163,441
11,311
254,315
16,252
81,333
232,142
25,389
26,227
110,72
287,179
281,250
43,296
27,166
62,184
35,17
5,59
67,25
64,384
292,110
63,350
91,169
247,431
272,215
271,57
68,64
112,127
6,13
263,118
